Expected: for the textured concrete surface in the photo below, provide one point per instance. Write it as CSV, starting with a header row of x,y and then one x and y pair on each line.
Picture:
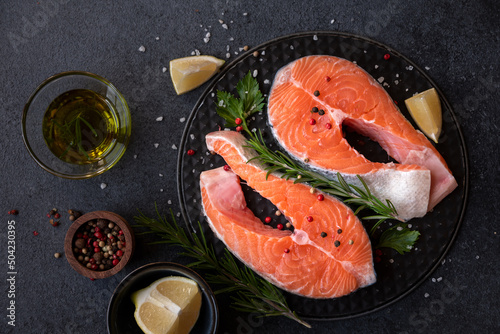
x,y
458,41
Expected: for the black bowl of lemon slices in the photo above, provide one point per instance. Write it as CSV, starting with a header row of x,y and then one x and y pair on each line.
x,y
179,299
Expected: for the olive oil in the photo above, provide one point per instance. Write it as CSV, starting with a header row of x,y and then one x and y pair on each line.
x,y
79,127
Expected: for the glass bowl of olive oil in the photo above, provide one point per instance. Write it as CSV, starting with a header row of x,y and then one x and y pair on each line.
x,y
76,125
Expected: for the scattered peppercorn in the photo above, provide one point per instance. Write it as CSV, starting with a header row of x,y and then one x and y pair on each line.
x,y
321,112
323,234
309,218
256,53
13,212
238,121
287,250
351,242
190,152
245,48
278,213
328,126
378,252
267,220
316,93
57,255
339,231
306,160
227,168
35,233
239,128
288,225
321,197
314,109
327,78
336,243
279,226
387,56
312,121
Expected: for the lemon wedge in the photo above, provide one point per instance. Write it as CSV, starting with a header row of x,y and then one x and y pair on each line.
x,y
190,72
425,108
167,306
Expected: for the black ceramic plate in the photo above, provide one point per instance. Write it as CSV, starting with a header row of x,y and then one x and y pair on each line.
x,y
397,275
121,309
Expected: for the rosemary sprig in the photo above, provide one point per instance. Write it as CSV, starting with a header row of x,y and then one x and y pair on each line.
x,y
253,293
277,161
75,137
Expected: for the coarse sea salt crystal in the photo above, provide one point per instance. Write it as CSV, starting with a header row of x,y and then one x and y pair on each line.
x,y
228,55
103,185
142,48
332,21
156,145
266,81
164,69
427,68
439,279
224,26
381,79
192,136
182,119
174,147
255,72
426,295
161,190
160,175
376,66
135,156
291,47
169,202
159,119
315,37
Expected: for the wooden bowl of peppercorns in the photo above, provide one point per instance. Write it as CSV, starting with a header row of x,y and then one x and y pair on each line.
x,y
99,244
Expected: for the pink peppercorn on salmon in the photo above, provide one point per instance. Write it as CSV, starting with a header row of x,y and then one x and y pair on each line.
x,y
328,254
343,93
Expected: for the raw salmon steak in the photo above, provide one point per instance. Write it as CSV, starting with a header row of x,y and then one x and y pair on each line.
x,y
343,93
328,254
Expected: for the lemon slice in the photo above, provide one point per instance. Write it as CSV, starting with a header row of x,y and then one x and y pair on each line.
x,y
190,72
169,305
425,108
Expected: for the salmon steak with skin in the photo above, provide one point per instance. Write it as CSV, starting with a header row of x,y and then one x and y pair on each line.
x,y
344,94
327,255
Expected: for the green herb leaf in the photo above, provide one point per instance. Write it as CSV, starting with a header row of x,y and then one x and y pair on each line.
x,y
399,238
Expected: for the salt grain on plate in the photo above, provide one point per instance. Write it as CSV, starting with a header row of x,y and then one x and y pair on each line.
x,y
156,145
224,26
161,190
291,47
427,68
169,202
160,175
332,21
157,38
376,66
178,214
103,185
439,279
255,72
477,257
182,119
381,79
228,55
192,136
426,295
164,69
135,156
266,82
174,147
207,38
433,280
142,48
159,119
315,37
245,14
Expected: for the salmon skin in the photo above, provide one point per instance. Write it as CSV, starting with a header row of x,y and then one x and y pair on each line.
x,y
343,93
328,254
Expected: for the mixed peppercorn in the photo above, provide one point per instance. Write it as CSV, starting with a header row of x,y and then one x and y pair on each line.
x,y
99,244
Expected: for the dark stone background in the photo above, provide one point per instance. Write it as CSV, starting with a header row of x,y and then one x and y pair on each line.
x,y
457,40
